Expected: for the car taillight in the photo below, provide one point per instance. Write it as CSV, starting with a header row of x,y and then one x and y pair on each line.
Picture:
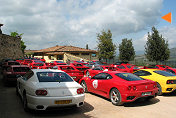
x,y
131,88
154,86
170,82
41,92
80,91
134,88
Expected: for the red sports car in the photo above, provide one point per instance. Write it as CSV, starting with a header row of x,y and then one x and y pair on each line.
x,y
120,87
58,63
162,67
71,70
97,69
9,63
26,62
20,60
124,68
50,65
11,73
37,64
80,66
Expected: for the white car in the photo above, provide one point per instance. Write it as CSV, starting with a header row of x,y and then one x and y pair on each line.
x,y
42,89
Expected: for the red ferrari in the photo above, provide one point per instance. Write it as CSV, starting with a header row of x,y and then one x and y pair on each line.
x,y
97,69
80,66
120,87
70,70
162,67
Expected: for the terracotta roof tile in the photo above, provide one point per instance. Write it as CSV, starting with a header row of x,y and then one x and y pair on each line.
x,y
65,49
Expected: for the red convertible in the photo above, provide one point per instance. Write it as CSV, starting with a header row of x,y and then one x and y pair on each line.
x,y
120,87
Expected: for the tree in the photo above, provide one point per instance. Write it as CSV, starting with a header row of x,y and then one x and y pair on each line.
x,y
16,34
87,46
156,48
106,48
126,50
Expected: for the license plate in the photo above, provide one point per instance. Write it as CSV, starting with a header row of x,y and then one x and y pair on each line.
x,y
146,93
63,101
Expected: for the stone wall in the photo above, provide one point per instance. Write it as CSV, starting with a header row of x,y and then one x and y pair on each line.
x,y
10,47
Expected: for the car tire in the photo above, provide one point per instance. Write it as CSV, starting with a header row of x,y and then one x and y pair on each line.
x,y
159,89
83,84
25,107
115,97
87,74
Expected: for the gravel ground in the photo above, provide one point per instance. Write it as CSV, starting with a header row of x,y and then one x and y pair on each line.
x,y
95,107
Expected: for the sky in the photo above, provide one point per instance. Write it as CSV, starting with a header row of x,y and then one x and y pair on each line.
x,y
46,23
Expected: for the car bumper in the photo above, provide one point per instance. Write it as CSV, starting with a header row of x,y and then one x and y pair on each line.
x,y
132,96
168,88
43,103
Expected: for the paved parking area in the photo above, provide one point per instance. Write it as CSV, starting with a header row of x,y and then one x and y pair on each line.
x,y
95,106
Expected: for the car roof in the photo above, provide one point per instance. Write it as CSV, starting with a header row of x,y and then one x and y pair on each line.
x,y
45,70
19,66
113,72
151,70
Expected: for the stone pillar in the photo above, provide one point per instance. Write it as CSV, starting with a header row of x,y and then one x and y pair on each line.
x,y
0,28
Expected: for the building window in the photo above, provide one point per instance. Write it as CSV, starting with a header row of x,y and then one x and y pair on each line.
x,y
94,55
59,57
51,57
85,53
75,53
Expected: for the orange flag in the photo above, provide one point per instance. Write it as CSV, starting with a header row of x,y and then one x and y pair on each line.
x,y
168,17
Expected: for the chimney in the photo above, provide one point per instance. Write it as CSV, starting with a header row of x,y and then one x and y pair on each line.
x,y
0,28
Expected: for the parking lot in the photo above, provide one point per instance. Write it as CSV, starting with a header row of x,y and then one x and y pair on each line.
x,y
95,106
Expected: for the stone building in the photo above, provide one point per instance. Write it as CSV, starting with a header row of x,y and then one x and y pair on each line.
x,y
65,53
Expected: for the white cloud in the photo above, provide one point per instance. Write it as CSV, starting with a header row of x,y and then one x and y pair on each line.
x,y
75,22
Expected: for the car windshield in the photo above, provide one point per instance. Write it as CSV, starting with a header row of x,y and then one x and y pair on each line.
x,y
66,68
13,63
128,76
38,61
129,66
79,61
163,66
59,62
135,67
53,77
121,67
21,69
164,73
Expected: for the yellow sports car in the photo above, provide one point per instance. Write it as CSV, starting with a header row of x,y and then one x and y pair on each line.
x,y
166,82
